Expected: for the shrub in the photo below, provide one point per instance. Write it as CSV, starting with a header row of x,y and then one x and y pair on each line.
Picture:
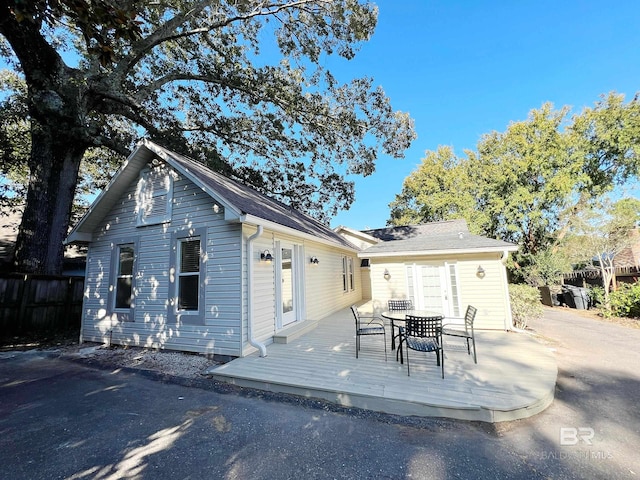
x,y
525,304
625,301
596,294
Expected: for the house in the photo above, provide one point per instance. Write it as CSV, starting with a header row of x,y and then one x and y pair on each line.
x,y
74,256
183,258
439,266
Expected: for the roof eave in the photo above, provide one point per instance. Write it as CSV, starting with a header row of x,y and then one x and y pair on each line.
x,y
276,227
425,253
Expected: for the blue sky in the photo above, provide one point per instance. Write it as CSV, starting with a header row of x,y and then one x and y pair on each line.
x,y
465,68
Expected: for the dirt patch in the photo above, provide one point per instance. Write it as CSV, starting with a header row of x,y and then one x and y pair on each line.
x,y
179,364
65,344
596,314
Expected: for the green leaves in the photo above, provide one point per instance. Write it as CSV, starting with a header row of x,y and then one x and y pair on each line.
x,y
240,80
528,183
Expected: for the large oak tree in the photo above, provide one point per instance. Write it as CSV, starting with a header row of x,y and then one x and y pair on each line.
x,y
239,84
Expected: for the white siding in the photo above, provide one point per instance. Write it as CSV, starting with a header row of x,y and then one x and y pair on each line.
x,y
488,294
152,327
323,293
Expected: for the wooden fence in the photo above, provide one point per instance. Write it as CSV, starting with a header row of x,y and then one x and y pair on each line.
x,y
39,303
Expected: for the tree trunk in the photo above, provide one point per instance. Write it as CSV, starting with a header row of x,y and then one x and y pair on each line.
x,y
54,167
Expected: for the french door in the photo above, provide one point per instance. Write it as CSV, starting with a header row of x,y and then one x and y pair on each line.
x,y
289,284
434,287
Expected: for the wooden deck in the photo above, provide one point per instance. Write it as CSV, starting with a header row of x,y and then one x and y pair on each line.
x,y
514,378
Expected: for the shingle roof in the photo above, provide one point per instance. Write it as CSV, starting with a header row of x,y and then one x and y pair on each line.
x,y
252,202
431,238
241,199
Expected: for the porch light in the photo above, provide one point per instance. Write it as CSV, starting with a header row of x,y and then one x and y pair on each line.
x,y
266,256
314,260
480,272
387,275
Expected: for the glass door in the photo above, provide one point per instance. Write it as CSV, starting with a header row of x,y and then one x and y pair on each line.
x,y
287,286
434,287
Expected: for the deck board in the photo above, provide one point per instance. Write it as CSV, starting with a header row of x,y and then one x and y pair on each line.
x,y
514,378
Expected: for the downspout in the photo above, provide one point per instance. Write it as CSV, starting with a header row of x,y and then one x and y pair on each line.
x,y
250,262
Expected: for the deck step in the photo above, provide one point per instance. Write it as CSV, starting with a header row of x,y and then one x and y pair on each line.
x,y
296,330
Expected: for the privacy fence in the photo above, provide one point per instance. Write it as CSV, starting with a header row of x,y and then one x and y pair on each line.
x,y
39,303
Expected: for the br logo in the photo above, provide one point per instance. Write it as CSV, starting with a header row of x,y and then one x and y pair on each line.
x,y
573,436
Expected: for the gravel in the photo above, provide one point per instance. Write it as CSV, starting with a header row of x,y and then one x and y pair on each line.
x,y
179,364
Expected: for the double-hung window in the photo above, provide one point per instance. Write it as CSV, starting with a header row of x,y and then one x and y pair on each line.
x,y
345,276
188,267
188,295
352,286
124,277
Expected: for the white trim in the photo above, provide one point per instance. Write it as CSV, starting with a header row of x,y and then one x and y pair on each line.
x,y
412,253
278,228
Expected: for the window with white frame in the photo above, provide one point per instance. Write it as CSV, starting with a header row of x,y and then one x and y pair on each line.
x,y
188,274
123,296
345,285
352,286
154,196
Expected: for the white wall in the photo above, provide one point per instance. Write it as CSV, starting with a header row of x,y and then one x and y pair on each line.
x,y
152,327
323,292
489,294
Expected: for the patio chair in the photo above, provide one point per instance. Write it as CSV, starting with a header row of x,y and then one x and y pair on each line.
x,y
451,330
423,334
398,304
368,325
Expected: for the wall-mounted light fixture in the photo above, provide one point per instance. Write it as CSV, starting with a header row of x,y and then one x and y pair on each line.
x,y
266,256
387,275
480,272
314,261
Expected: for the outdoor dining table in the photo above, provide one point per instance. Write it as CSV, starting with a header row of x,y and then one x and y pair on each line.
x,y
398,318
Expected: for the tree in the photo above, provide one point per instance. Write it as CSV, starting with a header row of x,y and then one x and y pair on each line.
x,y
427,194
600,233
201,78
526,184
96,169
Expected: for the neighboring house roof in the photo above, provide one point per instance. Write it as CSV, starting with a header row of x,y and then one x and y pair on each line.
x,y
74,256
241,203
436,238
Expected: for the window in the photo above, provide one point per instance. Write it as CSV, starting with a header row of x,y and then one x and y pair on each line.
x,y
124,277
345,287
154,196
188,274
351,275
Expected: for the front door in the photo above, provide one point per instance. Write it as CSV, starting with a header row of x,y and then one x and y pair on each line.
x,y
434,287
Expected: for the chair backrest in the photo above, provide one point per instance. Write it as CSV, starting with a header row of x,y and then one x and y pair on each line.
x,y
400,304
423,326
469,317
356,315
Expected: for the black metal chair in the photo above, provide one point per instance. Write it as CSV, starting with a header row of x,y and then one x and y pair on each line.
x,y
424,334
467,333
368,325
398,304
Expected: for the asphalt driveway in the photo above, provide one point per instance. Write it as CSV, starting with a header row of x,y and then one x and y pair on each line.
x,y
60,419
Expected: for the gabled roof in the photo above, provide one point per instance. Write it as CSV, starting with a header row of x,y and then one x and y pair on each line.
x,y
436,238
241,203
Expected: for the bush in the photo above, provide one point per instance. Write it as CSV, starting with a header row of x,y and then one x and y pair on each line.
x,y
625,301
596,294
525,304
